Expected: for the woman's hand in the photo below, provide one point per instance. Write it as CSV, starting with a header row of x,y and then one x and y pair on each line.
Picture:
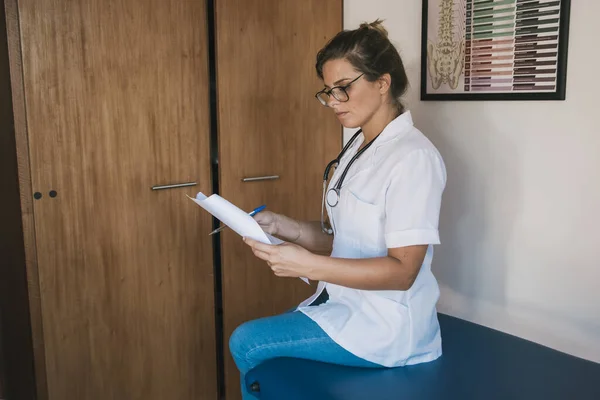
x,y
279,225
286,260
267,221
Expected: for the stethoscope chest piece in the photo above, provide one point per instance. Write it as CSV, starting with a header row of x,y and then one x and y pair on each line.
x,y
333,197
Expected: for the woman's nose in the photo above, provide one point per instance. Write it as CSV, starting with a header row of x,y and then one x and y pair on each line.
x,y
332,102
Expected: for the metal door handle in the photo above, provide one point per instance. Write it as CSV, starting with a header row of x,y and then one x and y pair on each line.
x,y
261,178
174,185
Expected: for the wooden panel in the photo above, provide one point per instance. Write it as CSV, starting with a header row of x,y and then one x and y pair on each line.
x,y
117,101
270,124
17,300
2,378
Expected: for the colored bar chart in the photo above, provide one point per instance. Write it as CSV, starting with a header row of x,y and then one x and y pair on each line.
x,y
503,46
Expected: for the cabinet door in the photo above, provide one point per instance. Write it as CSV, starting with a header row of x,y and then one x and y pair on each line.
x,y
117,101
270,124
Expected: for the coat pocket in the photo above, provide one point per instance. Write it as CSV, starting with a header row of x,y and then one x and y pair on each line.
x,y
363,223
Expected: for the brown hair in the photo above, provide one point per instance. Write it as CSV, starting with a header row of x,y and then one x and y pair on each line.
x,y
369,51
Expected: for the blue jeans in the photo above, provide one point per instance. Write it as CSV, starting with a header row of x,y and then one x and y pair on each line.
x,y
292,334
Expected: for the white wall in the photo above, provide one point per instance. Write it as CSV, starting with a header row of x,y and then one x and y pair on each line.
x,y
521,214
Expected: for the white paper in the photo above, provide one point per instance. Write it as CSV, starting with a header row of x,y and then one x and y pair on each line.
x,y
236,219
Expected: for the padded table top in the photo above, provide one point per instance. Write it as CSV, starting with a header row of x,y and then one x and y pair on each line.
x,y
477,363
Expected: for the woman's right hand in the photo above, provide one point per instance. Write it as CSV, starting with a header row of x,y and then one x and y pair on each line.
x,y
267,221
279,225
306,234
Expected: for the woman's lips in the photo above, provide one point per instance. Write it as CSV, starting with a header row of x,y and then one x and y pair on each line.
x,y
341,113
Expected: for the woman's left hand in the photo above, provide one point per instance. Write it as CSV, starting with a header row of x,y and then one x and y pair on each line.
x,y
286,259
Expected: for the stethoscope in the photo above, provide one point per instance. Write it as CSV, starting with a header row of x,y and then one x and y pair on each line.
x,y
333,194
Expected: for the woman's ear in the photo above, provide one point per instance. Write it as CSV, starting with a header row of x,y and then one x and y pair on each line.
x,y
385,82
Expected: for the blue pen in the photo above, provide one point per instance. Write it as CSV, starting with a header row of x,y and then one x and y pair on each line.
x,y
257,210
251,213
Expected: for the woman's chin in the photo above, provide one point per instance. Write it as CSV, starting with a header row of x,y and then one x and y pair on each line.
x,y
349,120
349,124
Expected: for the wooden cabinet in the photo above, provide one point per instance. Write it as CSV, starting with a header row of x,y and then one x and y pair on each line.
x,y
286,133
113,290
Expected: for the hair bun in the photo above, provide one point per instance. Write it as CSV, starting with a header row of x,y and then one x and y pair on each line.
x,y
376,25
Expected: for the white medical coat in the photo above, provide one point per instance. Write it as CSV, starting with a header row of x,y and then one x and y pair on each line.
x,y
390,197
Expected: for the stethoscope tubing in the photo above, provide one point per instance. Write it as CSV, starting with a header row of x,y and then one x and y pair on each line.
x,y
332,196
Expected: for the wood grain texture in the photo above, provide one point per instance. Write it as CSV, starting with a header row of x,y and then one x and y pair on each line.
x,y
270,124
117,101
19,287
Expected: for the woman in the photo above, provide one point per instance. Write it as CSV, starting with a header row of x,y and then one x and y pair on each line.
x,y
375,302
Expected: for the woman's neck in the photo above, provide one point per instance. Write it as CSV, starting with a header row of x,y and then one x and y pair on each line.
x,y
378,122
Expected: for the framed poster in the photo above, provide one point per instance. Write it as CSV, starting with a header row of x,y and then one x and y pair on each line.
x,y
494,49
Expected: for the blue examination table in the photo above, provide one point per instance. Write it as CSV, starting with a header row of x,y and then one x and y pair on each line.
x,y
477,363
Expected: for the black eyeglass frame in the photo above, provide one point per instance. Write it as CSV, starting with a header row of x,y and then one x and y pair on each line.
x,y
329,92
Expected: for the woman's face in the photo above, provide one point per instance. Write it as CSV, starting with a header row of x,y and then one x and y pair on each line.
x,y
365,97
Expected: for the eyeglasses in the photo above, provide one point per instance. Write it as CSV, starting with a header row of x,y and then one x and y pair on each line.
x,y
338,92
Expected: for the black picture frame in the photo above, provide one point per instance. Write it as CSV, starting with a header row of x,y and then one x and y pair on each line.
x,y
561,64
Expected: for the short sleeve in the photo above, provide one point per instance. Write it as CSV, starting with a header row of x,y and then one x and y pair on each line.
x,y
413,200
